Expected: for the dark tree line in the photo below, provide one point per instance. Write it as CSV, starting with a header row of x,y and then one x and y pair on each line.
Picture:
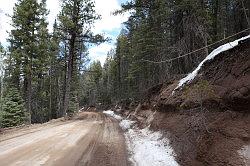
x,y
42,73
159,30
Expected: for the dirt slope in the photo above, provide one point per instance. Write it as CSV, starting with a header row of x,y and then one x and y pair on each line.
x,y
93,139
207,121
223,84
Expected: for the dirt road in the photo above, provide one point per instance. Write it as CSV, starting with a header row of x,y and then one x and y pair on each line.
x,y
92,140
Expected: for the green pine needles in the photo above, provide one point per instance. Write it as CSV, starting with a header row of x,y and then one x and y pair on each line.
x,y
13,109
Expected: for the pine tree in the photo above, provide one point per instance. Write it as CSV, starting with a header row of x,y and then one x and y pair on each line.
x,y
29,41
56,72
2,52
13,108
76,20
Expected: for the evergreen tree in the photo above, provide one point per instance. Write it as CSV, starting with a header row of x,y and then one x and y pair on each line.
x,y
56,74
13,108
76,20
29,51
2,52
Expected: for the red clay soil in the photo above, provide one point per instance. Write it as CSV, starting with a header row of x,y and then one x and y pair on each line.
x,y
229,74
208,121
210,138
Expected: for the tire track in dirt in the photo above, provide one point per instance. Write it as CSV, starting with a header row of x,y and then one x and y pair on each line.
x,y
94,140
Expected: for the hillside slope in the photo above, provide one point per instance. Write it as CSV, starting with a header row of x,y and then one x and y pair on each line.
x,y
207,120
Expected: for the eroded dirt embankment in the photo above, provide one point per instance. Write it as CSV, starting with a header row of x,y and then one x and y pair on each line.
x,y
93,140
207,121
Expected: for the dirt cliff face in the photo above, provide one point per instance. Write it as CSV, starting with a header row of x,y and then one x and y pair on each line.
x,y
223,84
229,74
208,120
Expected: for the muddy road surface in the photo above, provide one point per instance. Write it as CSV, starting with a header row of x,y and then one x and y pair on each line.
x,y
92,140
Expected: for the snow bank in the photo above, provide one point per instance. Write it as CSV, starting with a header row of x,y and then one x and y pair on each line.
x,y
111,113
149,148
146,148
126,124
214,53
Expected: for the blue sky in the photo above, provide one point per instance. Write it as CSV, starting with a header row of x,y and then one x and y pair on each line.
x,y
109,25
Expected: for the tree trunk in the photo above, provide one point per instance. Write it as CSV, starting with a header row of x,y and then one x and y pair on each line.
x,y
69,73
28,95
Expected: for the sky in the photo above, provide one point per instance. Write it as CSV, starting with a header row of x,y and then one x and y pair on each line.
x,y
109,25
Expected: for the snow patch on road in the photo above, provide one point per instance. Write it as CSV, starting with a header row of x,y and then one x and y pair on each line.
x,y
213,54
111,113
149,148
146,148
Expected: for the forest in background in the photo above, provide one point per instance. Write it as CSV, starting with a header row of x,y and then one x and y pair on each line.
x,y
42,70
156,45
47,76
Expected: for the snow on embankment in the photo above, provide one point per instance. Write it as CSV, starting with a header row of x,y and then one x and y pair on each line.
x,y
213,54
111,113
146,148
